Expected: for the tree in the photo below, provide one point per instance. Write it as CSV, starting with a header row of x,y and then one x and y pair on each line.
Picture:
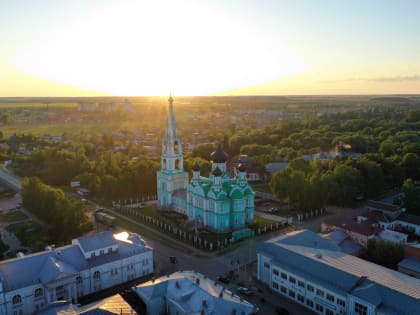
x,y
385,253
66,218
346,185
411,197
203,150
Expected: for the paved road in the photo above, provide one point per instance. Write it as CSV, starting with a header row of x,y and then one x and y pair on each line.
x,y
10,179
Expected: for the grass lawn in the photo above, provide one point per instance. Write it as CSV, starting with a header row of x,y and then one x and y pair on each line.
x,y
29,233
12,216
168,217
7,194
261,222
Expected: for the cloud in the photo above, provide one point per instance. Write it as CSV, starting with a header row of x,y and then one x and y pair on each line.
x,y
415,77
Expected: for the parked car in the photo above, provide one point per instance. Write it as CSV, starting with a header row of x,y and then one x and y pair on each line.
x,y
173,259
245,291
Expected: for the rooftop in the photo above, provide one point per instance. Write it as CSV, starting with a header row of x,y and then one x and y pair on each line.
x,y
364,224
45,266
192,291
378,205
341,272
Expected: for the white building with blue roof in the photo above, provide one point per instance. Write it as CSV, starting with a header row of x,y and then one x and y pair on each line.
x,y
90,264
312,271
190,293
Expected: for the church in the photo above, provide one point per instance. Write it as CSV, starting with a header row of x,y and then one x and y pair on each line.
x,y
218,202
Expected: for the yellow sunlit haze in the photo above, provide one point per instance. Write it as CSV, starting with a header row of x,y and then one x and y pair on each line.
x,y
141,49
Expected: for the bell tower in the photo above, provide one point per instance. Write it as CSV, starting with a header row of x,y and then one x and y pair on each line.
x,y
171,177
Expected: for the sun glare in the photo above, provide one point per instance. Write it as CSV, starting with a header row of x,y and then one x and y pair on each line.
x,y
149,48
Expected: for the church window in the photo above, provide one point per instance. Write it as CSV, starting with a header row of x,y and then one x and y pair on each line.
x,y
177,165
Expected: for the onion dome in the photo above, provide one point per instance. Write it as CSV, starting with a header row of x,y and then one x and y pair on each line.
x,y
217,172
196,167
241,167
219,156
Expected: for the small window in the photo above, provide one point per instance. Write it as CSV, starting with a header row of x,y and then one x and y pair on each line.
x,y
328,312
360,309
292,294
266,265
39,292
319,292
301,284
301,298
284,276
283,289
341,302
79,280
292,280
275,272
330,297
310,303
101,252
17,299
275,285
319,308
310,288
96,275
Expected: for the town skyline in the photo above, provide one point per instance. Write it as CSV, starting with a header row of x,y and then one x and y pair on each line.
x,y
136,48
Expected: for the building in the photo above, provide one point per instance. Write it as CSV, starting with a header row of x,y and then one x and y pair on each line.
x,y
360,228
217,202
172,179
189,292
112,305
390,210
310,270
90,264
404,221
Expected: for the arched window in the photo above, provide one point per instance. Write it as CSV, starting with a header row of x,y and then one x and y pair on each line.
x,y
177,164
17,299
39,292
176,147
96,275
79,280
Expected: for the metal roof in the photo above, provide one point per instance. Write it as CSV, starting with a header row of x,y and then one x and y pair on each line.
x,y
337,270
183,289
410,263
97,241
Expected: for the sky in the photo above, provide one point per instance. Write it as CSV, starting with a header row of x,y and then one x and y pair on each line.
x,y
204,47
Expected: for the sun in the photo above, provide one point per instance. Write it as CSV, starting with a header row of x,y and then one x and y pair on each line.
x,y
149,48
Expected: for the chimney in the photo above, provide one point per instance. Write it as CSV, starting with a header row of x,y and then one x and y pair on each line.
x,y
197,281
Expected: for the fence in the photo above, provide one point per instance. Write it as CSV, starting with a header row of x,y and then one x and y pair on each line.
x,y
191,237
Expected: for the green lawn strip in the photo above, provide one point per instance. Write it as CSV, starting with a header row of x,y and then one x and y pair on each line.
x,y
168,217
261,222
12,216
130,226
